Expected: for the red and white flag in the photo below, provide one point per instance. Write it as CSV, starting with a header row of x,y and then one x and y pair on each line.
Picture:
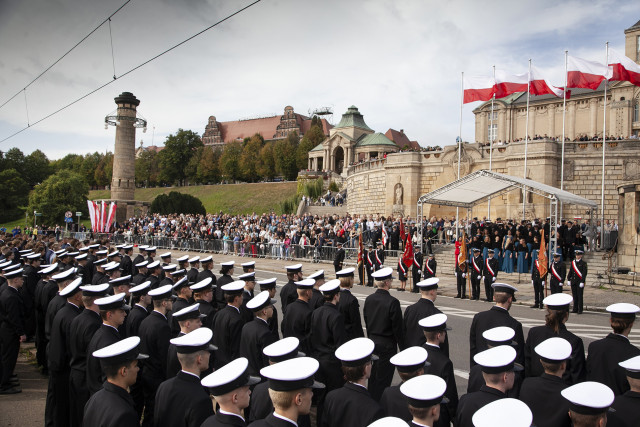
x,y
540,86
477,88
507,84
586,74
624,69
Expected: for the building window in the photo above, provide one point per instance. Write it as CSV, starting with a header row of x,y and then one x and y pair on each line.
x,y
636,110
492,132
495,116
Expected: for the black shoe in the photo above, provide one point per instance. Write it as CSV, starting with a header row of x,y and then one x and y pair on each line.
x,y
574,311
463,297
535,306
457,296
401,290
10,390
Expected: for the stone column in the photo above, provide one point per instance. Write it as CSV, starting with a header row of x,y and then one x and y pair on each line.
x,y
593,117
532,122
551,111
484,127
502,131
571,119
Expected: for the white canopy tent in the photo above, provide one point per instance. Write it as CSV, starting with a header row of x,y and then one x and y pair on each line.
x,y
482,185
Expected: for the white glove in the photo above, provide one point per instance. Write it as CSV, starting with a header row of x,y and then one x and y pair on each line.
x,y
493,279
543,283
464,275
531,282
419,273
479,277
581,285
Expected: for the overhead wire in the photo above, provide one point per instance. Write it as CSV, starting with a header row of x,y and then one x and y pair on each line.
x,y
130,71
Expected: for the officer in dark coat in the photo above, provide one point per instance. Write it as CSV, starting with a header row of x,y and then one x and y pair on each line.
x,y
461,279
207,265
45,291
379,256
166,276
151,253
82,329
424,307
352,405
112,312
498,315
141,275
189,319
255,334
138,259
297,321
270,285
288,293
327,334
81,266
99,277
538,283
155,334
249,280
430,266
338,259
477,264
557,273
59,356
154,269
626,405
141,300
317,300
383,320
112,406
203,295
226,270
369,263
577,278
425,393
606,353
12,330
28,291
409,363
63,279
127,264
181,400
490,273
538,392
184,294
192,274
416,268
348,305
228,323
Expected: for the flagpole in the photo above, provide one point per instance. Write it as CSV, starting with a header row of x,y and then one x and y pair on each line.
x,y
459,149
491,138
564,113
526,143
604,145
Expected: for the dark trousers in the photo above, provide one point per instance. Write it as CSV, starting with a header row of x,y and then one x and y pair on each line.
x,y
330,374
555,287
41,342
361,275
577,292
475,286
461,283
9,348
488,290
538,292
56,411
149,388
137,394
416,278
382,370
78,396
369,277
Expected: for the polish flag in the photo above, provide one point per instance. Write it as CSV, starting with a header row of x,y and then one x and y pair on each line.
x,y
477,88
624,69
540,86
586,74
507,84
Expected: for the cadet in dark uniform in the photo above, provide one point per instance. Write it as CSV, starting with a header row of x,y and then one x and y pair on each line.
x,y
383,320
409,363
12,331
203,295
228,323
348,305
498,315
207,265
435,330
112,406
425,396
126,265
461,279
539,392
317,300
99,277
183,263
248,267
291,383
82,329
589,403
490,274
430,266
141,275
155,334
297,321
181,400
138,259
424,307
249,280
154,269
165,262
369,263
28,292
577,278
352,405
270,285
327,334
477,263
557,273
606,353
416,269
189,319
255,334
184,294
229,385
627,405
511,412
226,270
112,312
63,279
498,370
45,291
379,254
403,274
141,300
151,253
288,293
81,266
555,319
538,285
338,259
166,276
192,275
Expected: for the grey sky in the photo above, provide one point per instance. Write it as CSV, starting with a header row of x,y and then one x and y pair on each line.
x,y
399,62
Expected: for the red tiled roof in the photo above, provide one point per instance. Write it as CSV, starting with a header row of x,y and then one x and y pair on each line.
x,y
305,125
399,138
241,129
414,145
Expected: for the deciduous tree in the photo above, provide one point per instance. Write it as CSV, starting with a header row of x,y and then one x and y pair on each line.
x,y
61,192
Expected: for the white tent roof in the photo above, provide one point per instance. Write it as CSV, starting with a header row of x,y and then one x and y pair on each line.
x,y
479,186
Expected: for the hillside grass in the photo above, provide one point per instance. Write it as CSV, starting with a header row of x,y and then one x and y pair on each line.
x,y
228,198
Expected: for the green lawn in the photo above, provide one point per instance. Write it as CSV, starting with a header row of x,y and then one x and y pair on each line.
x,y
228,198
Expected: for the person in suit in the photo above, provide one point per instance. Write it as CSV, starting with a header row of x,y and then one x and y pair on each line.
x,y
383,320
227,324
189,319
141,273
183,263
430,266
112,405
352,404
270,285
626,405
490,274
249,280
425,396
230,387
409,363
317,300
461,279
435,330
127,264
99,277
416,269
139,258
154,269
141,300
291,385
288,293
424,307
338,259
184,294
207,265
537,392
181,400
477,264
255,334
348,305
557,273
46,289
379,256
203,295
577,278
604,355
12,330
192,275
297,322
369,263
589,403
538,283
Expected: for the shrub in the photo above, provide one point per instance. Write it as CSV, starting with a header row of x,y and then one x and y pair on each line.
x,y
176,202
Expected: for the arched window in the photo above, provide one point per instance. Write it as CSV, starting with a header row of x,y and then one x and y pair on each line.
x,y
636,110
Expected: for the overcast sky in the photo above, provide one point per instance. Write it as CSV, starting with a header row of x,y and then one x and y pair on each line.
x,y
399,62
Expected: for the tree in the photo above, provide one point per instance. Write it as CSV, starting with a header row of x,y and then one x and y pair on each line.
x,y
36,168
175,156
14,159
89,166
285,156
176,202
267,164
191,170
14,194
72,162
63,191
104,171
147,168
209,166
250,158
230,161
302,153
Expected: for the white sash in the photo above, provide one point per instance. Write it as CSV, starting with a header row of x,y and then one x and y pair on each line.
x,y
489,267
378,259
427,265
475,266
576,269
369,259
555,274
415,262
401,265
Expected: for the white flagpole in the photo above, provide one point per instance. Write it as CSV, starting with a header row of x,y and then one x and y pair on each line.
x,y
604,145
491,138
459,149
564,113
526,143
